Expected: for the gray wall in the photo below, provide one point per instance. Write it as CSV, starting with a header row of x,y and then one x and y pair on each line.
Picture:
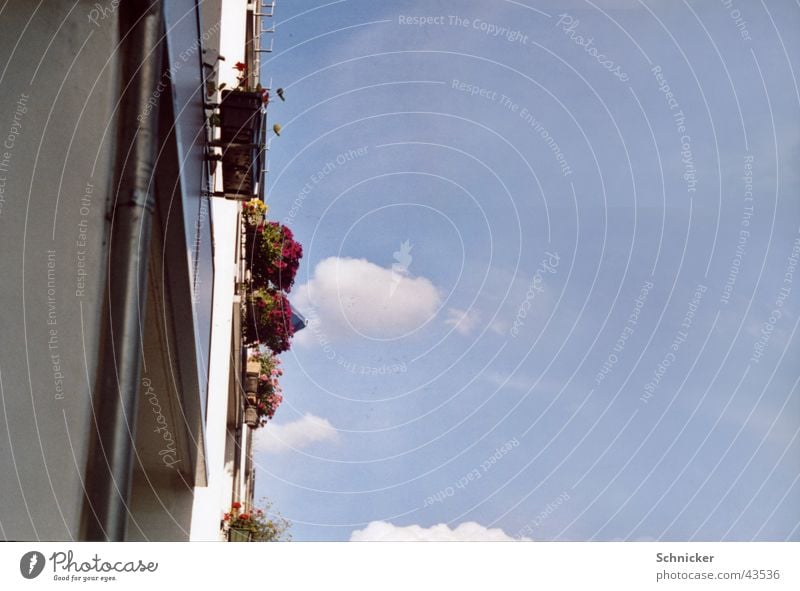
x,y
56,104
57,97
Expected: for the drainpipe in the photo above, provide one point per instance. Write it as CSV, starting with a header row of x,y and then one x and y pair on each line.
x,y
111,447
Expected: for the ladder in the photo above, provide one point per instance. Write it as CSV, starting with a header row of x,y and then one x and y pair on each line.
x,y
264,11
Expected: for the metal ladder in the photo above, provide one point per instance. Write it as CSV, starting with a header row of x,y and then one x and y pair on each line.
x,y
265,9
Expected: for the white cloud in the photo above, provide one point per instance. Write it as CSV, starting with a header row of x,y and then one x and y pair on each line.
x,y
500,327
464,321
349,296
382,531
275,438
505,380
520,382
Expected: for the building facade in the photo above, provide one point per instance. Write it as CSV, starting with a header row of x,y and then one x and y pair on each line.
x,y
120,341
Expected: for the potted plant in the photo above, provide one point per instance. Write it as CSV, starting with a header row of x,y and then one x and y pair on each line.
x,y
273,256
241,122
268,394
253,213
238,525
239,535
267,320
255,526
251,417
240,107
269,368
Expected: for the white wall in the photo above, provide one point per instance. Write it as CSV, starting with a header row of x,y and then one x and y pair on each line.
x,y
212,501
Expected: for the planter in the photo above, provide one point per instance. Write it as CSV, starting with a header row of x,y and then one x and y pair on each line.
x,y
250,240
251,416
240,116
239,535
241,121
239,172
251,383
253,366
250,244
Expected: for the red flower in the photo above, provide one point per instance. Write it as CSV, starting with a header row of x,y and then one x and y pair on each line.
x,y
274,256
241,66
227,517
236,505
244,516
268,320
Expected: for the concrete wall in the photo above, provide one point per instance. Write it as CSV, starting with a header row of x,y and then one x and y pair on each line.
x,y
211,501
56,127
58,90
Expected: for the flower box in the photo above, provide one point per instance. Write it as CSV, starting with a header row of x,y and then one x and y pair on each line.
x,y
254,525
253,366
251,416
251,382
266,390
240,116
241,121
236,534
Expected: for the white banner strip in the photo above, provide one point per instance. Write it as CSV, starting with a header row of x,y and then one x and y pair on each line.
x,y
402,565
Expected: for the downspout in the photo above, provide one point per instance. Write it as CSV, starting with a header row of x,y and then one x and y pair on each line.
x,y
110,462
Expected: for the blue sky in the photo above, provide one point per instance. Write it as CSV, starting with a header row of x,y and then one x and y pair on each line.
x,y
542,179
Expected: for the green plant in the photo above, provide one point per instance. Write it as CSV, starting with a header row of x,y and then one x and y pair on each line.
x,y
261,527
273,256
269,395
253,211
267,317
